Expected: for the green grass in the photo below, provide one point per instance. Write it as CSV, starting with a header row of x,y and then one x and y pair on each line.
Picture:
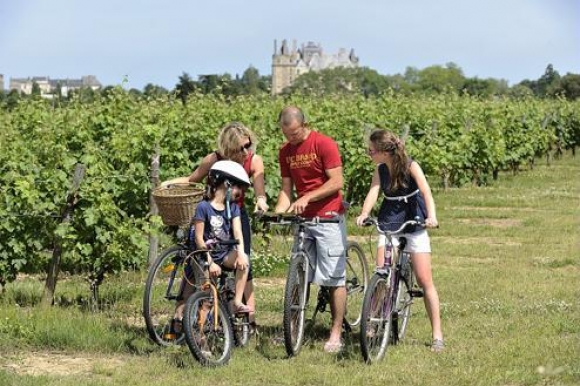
x,y
506,264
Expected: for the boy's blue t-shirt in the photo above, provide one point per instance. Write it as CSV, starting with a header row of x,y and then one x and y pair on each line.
x,y
216,225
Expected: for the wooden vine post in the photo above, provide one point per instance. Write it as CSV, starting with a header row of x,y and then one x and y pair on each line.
x,y
154,179
66,216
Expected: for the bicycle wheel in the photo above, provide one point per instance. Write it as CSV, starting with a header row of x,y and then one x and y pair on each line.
x,y
376,318
208,332
357,280
294,304
402,312
162,292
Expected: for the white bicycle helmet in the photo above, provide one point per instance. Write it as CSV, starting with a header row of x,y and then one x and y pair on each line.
x,y
229,171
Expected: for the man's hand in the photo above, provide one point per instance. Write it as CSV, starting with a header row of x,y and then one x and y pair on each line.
x,y
299,206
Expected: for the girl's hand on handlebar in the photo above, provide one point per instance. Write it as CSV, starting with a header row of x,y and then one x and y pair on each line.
x,y
214,270
431,222
361,219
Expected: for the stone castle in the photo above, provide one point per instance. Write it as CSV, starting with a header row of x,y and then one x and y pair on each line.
x,y
289,63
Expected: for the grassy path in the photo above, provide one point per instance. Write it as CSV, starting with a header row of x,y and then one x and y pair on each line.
x,y
506,264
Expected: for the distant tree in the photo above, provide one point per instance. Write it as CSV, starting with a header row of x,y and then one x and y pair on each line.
x,y
371,82
485,87
86,94
439,79
12,99
549,83
521,90
570,86
35,90
106,91
340,80
252,83
184,87
411,75
153,91
136,93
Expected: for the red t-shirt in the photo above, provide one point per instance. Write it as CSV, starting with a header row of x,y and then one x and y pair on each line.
x,y
306,164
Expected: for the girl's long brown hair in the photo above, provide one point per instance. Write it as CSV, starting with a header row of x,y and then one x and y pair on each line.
x,y
386,141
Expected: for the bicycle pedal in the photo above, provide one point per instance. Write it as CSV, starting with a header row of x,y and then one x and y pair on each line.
x,y
170,336
416,293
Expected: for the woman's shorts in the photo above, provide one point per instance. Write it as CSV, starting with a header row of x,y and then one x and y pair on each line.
x,y
417,242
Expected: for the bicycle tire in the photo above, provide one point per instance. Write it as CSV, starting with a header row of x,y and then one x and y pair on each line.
x,y
295,303
209,342
162,293
403,304
357,280
376,318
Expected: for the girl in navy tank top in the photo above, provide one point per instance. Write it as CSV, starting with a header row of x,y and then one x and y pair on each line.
x,y
406,195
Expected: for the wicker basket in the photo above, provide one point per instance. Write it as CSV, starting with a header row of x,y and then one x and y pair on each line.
x,y
177,203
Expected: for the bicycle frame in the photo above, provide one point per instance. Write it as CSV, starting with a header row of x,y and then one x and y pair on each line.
x,y
384,324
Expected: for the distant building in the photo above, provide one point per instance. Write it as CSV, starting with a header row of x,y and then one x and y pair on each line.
x,y
288,64
1,82
49,87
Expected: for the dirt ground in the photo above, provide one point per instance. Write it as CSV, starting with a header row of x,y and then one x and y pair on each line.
x,y
57,363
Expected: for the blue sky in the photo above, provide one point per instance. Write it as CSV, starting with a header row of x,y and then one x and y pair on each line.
x,y
155,41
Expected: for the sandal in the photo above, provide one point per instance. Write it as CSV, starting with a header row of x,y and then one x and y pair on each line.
x,y
242,309
333,347
437,345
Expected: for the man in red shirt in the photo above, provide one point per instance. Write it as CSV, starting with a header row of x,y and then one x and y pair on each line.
x,y
310,163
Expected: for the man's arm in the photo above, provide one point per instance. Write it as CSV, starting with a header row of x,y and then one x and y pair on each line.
x,y
284,197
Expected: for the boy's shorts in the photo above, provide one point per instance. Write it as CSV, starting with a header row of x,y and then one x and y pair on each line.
x,y
417,242
326,245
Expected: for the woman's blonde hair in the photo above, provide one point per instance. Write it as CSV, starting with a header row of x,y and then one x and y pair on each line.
x,y
228,141
388,142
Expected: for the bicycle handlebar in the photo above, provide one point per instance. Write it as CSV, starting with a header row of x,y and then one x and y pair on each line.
x,y
291,218
373,221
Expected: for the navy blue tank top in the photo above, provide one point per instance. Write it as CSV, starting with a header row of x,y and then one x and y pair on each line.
x,y
404,204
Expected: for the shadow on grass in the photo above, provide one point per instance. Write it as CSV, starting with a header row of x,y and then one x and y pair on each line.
x,y
270,342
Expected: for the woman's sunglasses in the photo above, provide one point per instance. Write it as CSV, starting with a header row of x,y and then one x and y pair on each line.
x,y
247,146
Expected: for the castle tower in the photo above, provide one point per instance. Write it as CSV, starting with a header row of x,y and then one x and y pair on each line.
x,y
284,64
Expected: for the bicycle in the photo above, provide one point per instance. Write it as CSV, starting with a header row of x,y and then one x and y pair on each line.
x,y
387,303
297,290
210,324
167,279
